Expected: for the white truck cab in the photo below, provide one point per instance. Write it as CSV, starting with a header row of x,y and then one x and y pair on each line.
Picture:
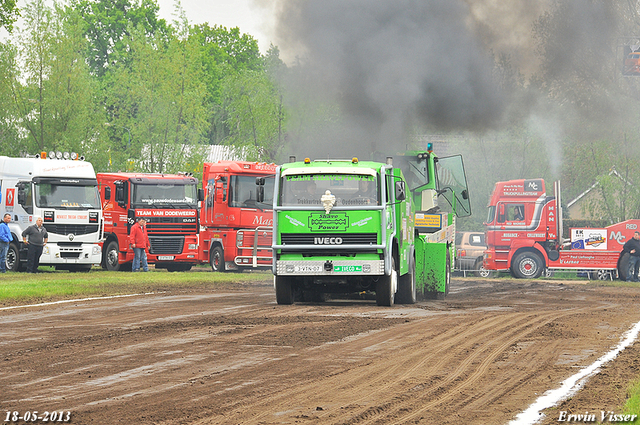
x,y
64,192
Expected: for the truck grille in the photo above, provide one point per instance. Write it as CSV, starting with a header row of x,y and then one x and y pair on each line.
x,y
76,229
312,239
162,245
172,225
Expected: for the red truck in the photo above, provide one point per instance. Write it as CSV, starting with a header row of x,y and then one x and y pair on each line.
x,y
169,202
524,235
236,228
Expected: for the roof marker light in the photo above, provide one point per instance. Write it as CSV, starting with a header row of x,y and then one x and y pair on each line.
x,y
307,161
354,160
52,155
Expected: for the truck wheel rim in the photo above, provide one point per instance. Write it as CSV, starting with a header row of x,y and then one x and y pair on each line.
x,y
528,267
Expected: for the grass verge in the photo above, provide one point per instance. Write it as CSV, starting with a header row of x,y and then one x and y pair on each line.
x,y
23,288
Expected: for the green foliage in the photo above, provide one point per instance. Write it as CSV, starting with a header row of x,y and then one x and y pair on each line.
x,y
254,112
9,13
108,28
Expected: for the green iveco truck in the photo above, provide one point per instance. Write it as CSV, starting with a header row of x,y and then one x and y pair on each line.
x,y
349,226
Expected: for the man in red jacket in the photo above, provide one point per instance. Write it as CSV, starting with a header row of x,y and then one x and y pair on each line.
x,y
139,240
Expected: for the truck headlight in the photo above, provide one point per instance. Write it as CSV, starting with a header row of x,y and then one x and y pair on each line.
x,y
193,246
45,251
239,238
95,250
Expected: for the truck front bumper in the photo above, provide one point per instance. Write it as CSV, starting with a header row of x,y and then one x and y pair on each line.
x,y
330,267
85,253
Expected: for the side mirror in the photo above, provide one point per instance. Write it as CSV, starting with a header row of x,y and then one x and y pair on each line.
x,y
107,193
259,181
400,191
200,194
260,193
121,197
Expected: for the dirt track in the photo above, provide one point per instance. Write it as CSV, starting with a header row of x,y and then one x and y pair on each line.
x,y
235,357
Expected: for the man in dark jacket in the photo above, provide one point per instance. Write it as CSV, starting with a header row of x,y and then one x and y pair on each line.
x,y
632,246
36,237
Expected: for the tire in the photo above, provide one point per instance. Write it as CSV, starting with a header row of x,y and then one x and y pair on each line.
x,y
13,258
217,259
527,265
623,266
600,275
407,292
284,290
480,271
111,255
384,287
548,273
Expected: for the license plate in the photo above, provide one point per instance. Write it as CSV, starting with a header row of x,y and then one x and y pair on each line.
x,y
308,269
165,257
347,269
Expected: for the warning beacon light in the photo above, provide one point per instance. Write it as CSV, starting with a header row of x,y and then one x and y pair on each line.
x,y
430,147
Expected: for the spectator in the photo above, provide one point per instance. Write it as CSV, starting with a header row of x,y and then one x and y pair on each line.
x,y
139,241
632,246
35,237
5,239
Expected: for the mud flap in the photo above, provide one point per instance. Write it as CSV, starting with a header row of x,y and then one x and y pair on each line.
x,y
431,270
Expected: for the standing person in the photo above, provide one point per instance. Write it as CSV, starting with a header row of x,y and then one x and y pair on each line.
x,y
632,246
139,241
5,239
35,237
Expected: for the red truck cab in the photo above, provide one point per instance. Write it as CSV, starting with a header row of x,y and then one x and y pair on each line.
x,y
169,202
236,228
524,234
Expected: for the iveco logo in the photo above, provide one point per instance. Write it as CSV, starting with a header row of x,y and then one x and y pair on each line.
x,y
327,241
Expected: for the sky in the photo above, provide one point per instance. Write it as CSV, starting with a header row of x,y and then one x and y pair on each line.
x,y
252,17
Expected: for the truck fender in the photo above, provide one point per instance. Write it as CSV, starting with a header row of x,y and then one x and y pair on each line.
x,y
535,247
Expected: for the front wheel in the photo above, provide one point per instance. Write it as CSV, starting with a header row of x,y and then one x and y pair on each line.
x,y
284,290
13,258
217,259
480,271
111,257
384,288
407,293
527,265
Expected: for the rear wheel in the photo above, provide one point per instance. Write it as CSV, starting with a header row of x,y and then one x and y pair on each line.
x,y
623,266
480,271
111,257
527,265
284,290
384,288
13,258
600,275
217,259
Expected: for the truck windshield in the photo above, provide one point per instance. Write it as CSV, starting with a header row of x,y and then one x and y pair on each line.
x,y
243,190
164,196
349,189
66,196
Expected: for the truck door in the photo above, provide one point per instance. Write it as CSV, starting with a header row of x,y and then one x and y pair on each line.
x,y
451,182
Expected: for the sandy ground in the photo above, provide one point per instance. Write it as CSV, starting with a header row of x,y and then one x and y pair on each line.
x,y
235,357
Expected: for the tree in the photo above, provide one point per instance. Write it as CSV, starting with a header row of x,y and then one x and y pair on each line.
x,y
53,94
9,13
10,142
223,52
108,28
255,113
159,97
